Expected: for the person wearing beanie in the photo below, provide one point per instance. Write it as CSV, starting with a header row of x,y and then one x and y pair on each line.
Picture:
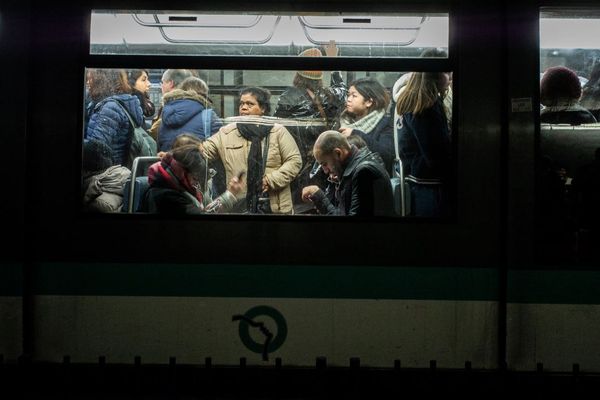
x,y
309,99
560,91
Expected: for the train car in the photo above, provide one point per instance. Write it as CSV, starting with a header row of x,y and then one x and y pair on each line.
x,y
492,284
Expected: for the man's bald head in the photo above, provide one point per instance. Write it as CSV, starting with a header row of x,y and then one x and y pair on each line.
x,y
330,140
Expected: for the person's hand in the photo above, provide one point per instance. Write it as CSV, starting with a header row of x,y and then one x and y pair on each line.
x,y
265,184
346,131
331,50
161,154
236,185
308,191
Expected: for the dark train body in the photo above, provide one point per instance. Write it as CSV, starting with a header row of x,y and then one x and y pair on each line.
x,y
478,286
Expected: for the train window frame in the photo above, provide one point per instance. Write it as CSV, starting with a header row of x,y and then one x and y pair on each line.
x,y
550,142
254,63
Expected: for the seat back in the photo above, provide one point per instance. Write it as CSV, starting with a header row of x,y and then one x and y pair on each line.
x,y
570,146
134,193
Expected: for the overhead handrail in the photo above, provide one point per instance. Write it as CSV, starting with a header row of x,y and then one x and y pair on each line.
x,y
169,39
307,25
158,23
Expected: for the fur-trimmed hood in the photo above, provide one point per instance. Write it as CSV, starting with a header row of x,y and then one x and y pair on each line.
x,y
179,94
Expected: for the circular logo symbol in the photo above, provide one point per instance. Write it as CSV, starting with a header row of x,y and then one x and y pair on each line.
x,y
254,317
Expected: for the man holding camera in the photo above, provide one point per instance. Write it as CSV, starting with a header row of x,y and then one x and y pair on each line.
x,y
364,185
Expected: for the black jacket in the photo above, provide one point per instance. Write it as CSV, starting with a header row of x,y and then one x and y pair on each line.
x,y
161,200
424,145
381,140
364,189
296,103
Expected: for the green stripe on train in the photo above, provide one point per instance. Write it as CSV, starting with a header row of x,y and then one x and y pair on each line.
x,y
554,287
11,279
280,281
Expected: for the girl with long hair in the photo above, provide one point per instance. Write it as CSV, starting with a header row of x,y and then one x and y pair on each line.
x,y
424,142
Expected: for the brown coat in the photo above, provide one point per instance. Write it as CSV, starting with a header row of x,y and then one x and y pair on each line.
x,y
283,161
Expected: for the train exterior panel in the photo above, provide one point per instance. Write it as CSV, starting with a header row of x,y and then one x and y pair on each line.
x,y
377,314
471,288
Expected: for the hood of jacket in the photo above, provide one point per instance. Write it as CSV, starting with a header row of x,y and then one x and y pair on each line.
x,y
180,106
179,94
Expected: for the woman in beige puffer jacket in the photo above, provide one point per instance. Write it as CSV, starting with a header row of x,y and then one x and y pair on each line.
x,y
283,161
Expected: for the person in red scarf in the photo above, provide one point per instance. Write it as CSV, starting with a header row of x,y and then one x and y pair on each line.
x,y
177,182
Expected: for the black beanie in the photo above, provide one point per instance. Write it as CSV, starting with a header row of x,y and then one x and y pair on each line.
x,y
97,156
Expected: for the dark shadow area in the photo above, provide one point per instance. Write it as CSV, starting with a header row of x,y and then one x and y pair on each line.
x,y
174,381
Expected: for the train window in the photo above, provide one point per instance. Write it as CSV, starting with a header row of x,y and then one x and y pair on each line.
x,y
218,34
229,139
569,133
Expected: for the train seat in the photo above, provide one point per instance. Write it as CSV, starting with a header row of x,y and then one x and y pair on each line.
x,y
134,193
570,147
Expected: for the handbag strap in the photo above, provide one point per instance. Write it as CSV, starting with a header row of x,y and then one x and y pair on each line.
x,y
133,124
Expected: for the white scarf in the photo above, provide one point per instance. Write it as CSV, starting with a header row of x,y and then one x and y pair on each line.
x,y
366,124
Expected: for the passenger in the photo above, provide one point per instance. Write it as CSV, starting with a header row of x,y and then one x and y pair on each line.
x,y
590,98
187,109
109,122
186,139
331,191
177,182
364,185
560,90
242,147
140,83
308,98
103,182
446,95
365,116
170,80
424,142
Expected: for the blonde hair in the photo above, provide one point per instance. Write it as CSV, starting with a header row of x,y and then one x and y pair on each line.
x,y
420,93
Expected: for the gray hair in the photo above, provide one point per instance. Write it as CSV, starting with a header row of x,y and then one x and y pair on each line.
x,y
177,76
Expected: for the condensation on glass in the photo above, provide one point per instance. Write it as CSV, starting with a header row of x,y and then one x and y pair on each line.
x,y
247,34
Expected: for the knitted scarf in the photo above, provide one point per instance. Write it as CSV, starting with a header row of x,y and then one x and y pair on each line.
x,y
254,133
169,173
366,124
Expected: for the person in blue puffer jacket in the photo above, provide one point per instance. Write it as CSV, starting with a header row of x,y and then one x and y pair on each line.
x,y
108,122
187,109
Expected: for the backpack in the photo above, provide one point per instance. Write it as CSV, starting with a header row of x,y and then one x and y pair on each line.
x,y
141,144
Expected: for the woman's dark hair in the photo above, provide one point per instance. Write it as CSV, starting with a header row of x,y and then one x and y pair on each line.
x,y
191,159
134,74
107,82
262,96
186,139
372,90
